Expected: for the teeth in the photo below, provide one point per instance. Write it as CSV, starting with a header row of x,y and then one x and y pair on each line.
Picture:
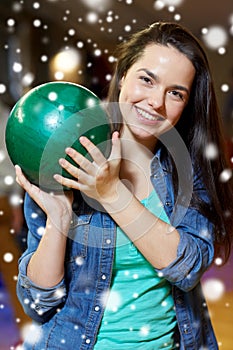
x,y
146,115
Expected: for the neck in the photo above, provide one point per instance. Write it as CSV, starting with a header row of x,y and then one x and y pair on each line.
x,y
135,164
134,148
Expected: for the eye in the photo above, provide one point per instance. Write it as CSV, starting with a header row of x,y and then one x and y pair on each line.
x,y
177,95
146,79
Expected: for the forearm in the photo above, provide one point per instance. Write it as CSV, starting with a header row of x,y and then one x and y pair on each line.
x,y
156,240
46,267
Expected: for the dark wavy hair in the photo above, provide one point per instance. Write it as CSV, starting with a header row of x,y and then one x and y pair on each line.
x,y
199,125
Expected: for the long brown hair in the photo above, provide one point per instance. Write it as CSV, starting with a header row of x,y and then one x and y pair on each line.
x,y
199,126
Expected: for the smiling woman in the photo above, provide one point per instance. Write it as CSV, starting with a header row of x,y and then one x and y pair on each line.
x,y
156,91
126,273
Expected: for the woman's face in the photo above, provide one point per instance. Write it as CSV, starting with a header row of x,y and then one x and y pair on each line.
x,y
155,91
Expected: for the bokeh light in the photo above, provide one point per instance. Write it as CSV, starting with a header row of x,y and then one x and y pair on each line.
x,y
213,289
97,5
214,37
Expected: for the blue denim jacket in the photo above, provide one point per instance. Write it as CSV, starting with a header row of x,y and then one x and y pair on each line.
x,y
70,313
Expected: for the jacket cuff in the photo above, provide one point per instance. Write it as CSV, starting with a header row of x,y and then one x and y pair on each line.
x,y
40,299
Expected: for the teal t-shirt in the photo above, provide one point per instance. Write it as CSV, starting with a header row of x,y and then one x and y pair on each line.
x,y
139,310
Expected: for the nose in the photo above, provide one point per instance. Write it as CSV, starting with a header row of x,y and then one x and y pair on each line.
x,y
156,98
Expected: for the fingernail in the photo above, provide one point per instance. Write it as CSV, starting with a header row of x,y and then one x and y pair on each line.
x,y
69,151
82,138
61,161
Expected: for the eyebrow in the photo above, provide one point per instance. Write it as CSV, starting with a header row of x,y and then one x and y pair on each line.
x,y
156,78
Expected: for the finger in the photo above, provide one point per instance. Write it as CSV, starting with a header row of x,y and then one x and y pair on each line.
x,y
116,147
69,183
93,150
81,161
20,178
22,181
77,173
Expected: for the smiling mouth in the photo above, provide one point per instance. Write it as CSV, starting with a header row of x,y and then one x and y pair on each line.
x,y
148,116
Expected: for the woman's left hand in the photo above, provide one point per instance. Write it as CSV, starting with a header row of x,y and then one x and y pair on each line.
x,y
98,179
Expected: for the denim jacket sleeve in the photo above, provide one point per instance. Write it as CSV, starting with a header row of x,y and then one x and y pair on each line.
x,y
39,303
194,254
195,251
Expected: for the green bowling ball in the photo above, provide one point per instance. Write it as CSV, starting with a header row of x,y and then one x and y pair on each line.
x,y
45,121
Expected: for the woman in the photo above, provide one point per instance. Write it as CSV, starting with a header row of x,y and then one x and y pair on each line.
x,y
121,257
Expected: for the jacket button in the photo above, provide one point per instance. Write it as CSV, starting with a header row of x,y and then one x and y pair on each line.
x,y
168,204
179,301
25,282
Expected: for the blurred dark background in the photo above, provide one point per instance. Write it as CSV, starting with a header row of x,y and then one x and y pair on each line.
x,y
34,34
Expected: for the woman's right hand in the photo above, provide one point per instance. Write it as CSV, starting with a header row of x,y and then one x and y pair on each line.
x,y
56,206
